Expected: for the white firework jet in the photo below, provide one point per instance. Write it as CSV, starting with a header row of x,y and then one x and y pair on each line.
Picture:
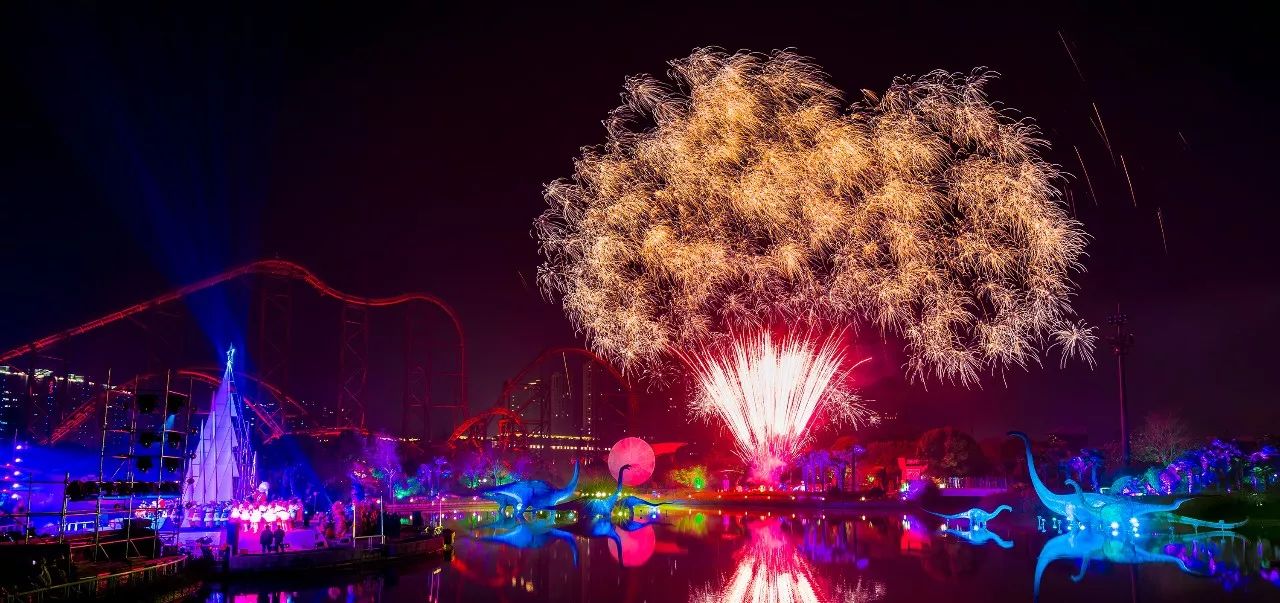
x,y
769,391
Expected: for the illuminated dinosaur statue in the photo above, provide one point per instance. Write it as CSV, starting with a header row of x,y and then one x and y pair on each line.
x,y
1089,507
977,517
589,508
1115,510
1087,545
631,502
531,495
1118,510
979,537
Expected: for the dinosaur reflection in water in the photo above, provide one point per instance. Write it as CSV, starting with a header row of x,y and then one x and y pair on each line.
x,y
979,537
515,533
1089,545
631,543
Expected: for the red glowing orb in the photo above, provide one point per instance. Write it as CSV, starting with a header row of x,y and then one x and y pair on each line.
x,y
635,452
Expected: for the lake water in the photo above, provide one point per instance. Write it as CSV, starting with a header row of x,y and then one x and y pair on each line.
x,y
711,556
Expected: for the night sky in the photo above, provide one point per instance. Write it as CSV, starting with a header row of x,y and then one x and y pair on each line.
x,y
396,149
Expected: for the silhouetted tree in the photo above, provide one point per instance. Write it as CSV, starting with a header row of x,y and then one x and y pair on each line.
x,y
950,453
1162,438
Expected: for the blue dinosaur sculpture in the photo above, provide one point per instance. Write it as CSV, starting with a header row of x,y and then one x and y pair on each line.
x,y
530,495
977,517
1116,510
631,502
590,508
1088,506
979,537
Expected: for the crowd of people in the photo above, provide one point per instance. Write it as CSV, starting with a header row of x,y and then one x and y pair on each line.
x,y
41,572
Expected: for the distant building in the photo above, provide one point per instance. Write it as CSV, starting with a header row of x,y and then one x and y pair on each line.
x,y
588,400
31,407
13,395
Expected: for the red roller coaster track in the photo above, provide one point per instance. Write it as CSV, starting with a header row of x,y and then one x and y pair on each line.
x,y
276,268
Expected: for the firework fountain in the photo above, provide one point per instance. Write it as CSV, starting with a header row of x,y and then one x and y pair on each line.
x,y
746,199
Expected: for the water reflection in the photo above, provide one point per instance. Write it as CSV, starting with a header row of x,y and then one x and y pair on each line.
x,y
1227,556
770,569
709,555
978,537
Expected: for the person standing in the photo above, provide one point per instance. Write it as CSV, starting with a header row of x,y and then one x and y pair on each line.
x,y
264,538
277,540
233,536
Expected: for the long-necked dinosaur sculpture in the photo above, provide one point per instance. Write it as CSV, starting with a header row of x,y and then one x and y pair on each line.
x,y
631,502
977,517
531,495
1116,510
1089,507
590,508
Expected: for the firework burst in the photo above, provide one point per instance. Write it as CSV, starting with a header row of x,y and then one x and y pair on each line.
x,y
745,195
769,392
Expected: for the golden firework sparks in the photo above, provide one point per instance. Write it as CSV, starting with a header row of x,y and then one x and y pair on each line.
x,y
745,194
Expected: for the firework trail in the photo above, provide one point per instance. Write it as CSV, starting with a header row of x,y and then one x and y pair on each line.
x,y
768,394
1132,196
1085,171
1102,131
1164,242
1071,56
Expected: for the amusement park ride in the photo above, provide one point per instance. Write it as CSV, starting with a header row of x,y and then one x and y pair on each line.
x,y
434,399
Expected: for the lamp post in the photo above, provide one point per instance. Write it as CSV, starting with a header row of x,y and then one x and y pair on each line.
x,y
1121,342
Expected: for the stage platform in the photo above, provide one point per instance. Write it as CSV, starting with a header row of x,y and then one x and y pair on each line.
x,y
298,539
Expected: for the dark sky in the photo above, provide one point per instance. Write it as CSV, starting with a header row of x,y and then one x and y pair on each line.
x,y
405,149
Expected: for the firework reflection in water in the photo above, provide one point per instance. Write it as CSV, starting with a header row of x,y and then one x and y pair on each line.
x,y
770,570
769,391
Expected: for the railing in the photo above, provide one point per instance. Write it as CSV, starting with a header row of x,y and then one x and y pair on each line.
x,y
368,543
103,584
994,483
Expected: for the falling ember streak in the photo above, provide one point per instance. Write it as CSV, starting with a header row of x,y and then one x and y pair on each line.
x,y
1070,55
1087,180
1164,242
1071,199
1102,129
768,392
1186,146
1129,180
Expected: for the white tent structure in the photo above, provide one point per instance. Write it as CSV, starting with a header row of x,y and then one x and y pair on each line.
x,y
222,469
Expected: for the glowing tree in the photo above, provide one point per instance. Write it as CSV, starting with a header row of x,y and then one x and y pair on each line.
x,y
744,200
